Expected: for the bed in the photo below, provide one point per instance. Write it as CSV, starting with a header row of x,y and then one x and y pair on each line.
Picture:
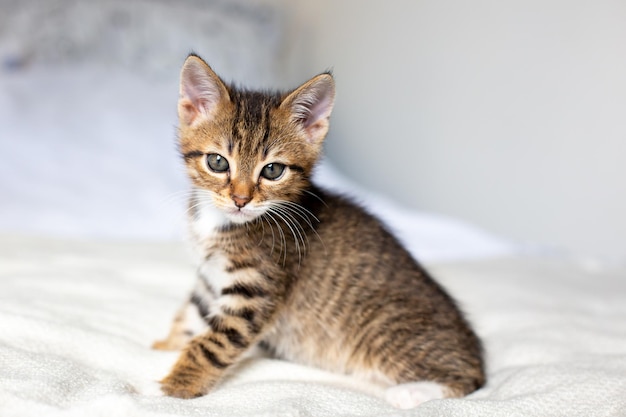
x,y
93,259
78,317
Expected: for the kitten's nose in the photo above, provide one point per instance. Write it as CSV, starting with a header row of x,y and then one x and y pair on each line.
x,y
240,200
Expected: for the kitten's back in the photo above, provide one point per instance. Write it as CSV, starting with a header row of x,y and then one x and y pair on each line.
x,y
360,302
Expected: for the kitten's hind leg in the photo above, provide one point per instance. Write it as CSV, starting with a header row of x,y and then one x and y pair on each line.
x,y
412,394
187,323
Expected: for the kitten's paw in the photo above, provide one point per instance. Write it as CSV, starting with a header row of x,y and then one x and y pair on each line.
x,y
172,388
412,394
181,392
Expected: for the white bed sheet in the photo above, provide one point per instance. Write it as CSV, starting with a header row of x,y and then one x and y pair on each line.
x,y
77,319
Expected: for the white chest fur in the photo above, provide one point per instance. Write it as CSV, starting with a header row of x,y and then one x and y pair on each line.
x,y
213,272
205,222
206,219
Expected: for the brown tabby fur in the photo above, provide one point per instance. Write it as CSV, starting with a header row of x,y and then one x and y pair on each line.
x,y
318,280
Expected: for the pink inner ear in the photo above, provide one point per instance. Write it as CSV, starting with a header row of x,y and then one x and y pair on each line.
x,y
316,130
187,111
199,91
319,109
312,106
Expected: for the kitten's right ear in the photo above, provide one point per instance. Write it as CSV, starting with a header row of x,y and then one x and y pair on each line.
x,y
310,106
201,90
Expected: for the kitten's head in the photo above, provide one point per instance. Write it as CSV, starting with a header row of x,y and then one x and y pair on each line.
x,y
250,150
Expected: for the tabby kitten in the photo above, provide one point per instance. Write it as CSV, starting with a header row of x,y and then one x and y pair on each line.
x,y
303,273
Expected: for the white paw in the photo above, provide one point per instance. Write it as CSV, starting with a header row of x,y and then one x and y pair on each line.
x,y
412,394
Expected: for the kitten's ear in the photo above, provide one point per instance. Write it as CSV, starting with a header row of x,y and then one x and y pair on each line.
x,y
311,104
201,90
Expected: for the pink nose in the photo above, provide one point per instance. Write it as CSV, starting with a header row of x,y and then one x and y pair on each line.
x,y
240,200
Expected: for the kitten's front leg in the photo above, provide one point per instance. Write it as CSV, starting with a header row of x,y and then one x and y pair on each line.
x,y
243,311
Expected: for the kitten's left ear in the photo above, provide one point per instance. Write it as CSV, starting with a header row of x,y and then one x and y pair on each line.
x,y
201,92
311,104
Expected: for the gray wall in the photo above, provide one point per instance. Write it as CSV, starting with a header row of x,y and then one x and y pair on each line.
x,y
511,115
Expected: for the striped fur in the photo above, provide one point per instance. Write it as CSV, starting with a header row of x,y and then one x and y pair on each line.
x,y
306,274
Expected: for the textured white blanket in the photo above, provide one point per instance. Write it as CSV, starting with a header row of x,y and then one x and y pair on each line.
x,y
77,320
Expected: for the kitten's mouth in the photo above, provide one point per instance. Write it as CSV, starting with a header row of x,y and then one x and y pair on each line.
x,y
241,215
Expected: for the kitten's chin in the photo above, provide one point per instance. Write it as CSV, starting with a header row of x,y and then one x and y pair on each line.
x,y
241,216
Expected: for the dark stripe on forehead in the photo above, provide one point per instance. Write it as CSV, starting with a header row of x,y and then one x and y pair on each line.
x,y
237,116
252,120
266,134
263,129
255,105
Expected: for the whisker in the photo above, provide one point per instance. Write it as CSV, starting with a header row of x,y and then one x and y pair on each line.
x,y
282,236
294,227
303,212
200,201
256,222
271,229
286,210
316,196
177,197
285,219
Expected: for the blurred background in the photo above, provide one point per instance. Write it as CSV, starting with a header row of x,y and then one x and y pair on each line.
x,y
507,115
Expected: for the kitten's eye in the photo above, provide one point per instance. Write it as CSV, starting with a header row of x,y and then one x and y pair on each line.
x,y
217,162
273,171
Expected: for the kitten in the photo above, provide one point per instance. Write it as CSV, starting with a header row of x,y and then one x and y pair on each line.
x,y
304,273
